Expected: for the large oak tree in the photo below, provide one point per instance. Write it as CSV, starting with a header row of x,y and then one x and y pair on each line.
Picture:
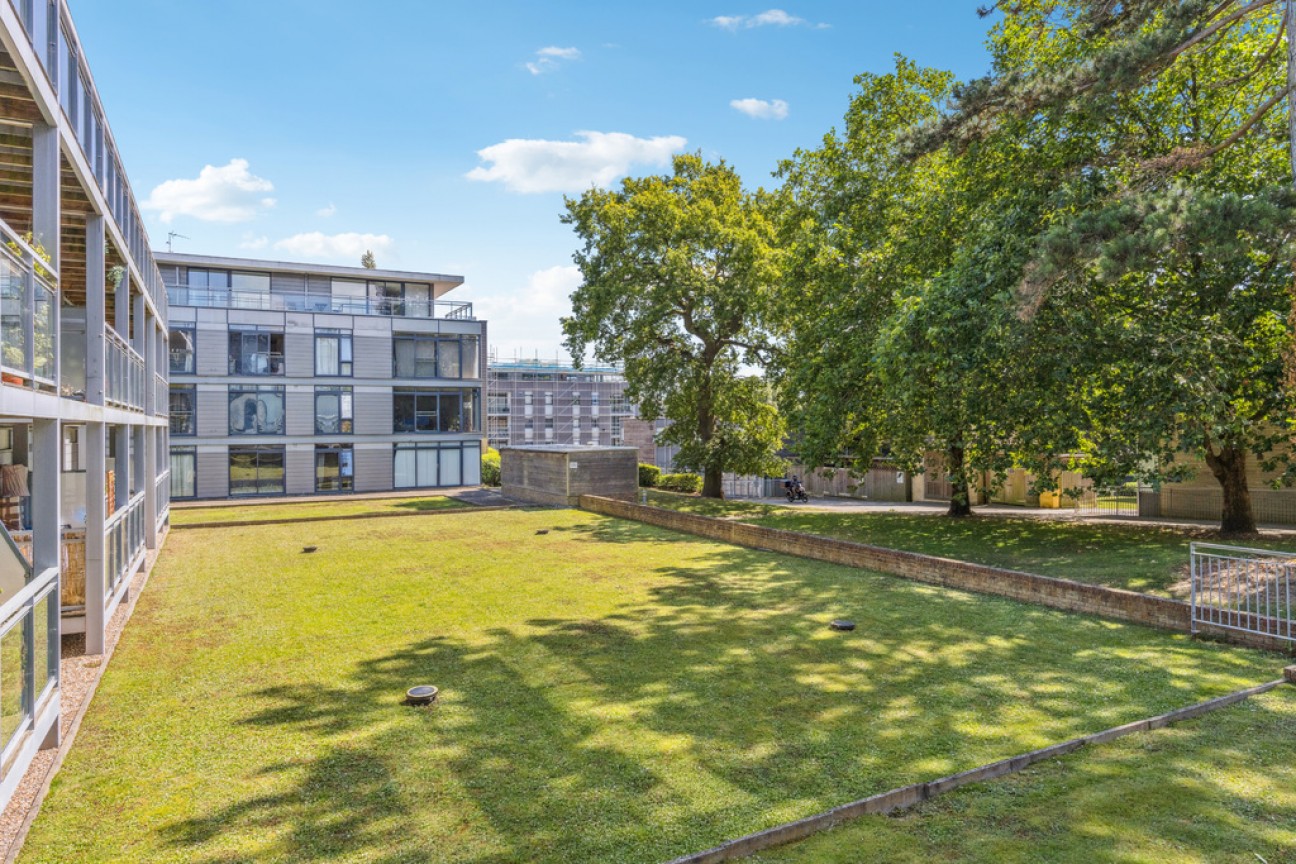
x,y
678,272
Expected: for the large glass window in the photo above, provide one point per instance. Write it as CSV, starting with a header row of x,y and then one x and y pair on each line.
x,y
256,410
349,297
434,411
184,410
183,344
256,470
256,351
334,414
184,472
420,465
208,287
333,353
334,468
433,356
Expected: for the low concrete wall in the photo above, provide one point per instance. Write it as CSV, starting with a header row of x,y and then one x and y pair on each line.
x,y
1064,594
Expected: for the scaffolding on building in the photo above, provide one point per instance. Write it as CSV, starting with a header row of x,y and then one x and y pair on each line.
x,y
534,400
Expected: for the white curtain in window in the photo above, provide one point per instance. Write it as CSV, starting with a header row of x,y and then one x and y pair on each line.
x,y
405,470
427,473
326,356
450,475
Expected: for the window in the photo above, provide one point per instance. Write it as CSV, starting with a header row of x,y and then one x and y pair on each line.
x,y
497,403
208,287
256,410
334,468
433,356
256,351
183,341
349,297
74,456
256,471
548,404
333,411
594,400
434,411
184,472
528,430
549,428
184,410
620,405
416,465
333,353
618,431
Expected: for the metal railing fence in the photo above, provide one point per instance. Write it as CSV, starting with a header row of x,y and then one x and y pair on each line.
x,y
1249,590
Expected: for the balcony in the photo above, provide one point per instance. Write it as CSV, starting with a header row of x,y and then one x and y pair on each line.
x,y
162,497
28,302
123,543
124,368
394,307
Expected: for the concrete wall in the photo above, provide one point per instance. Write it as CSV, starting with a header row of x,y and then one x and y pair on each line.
x,y
559,476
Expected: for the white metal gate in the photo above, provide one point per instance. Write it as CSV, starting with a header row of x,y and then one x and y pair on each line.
x,y
1251,590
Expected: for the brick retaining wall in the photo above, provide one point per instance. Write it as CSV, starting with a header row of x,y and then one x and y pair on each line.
x,y
1064,594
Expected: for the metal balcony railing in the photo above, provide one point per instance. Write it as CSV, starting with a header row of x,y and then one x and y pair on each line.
x,y
161,396
124,373
162,496
123,543
229,298
28,300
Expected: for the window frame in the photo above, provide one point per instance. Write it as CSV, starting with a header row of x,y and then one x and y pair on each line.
x,y
192,329
346,415
191,452
192,390
339,450
259,450
346,346
234,391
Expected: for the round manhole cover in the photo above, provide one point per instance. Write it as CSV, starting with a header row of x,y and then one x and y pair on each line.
x,y
842,624
421,695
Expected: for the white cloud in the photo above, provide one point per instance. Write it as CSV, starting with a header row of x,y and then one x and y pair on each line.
x,y
345,248
768,18
534,165
254,242
526,321
326,212
230,193
761,109
550,58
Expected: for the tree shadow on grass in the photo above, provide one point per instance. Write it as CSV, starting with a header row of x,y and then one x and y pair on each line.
x,y
719,706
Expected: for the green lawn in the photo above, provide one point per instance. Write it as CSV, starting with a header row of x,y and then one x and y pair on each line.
x,y
1148,558
611,692
1217,790
262,512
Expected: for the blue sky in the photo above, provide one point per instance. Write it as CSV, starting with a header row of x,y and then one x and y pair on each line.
x,y
444,135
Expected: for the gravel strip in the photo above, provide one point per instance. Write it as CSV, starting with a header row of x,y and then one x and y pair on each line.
x,y
78,676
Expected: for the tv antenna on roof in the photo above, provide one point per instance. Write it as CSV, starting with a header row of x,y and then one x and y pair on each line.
x,y
172,235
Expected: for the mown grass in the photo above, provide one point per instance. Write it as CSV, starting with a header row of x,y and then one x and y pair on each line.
x,y
611,692
1152,559
338,508
1217,790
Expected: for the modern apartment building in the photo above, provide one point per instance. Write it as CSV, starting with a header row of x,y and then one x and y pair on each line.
x,y
300,379
83,389
534,401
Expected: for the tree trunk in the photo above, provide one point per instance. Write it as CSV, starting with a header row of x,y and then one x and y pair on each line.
x,y
712,482
960,496
1229,468
1289,358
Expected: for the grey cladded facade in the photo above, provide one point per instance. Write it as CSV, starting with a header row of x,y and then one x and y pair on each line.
x,y
83,388
300,379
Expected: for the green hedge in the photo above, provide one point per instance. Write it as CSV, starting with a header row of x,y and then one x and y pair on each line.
x,y
681,482
490,470
649,475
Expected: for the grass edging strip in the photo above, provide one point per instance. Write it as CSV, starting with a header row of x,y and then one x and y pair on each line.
x,y
905,797
66,741
444,511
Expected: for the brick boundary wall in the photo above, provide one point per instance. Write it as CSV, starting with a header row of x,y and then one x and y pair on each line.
x,y
1066,594
914,794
